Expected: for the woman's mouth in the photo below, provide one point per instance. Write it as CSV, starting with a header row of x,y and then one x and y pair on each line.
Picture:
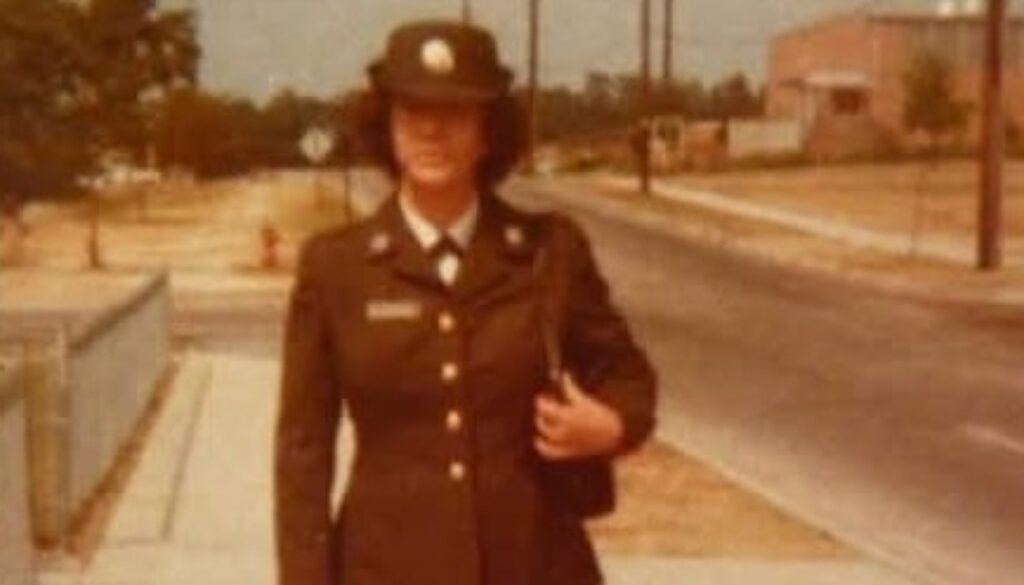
x,y
431,157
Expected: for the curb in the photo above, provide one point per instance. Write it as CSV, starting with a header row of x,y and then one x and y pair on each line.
x,y
645,570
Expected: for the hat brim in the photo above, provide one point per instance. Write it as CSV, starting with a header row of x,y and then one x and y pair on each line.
x,y
440,91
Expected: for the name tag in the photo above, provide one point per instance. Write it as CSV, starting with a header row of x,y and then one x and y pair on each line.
x,y
393,310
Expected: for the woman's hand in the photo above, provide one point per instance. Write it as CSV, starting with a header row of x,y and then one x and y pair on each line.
x,y
579,426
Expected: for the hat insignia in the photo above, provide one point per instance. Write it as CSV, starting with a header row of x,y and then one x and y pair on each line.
x,y
437,56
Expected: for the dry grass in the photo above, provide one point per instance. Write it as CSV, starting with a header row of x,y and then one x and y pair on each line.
x,y
215,225
941,196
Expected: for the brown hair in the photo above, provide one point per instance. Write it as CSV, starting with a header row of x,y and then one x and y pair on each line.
x,y
504,135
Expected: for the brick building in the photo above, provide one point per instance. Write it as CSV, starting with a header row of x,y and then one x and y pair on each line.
x,y
843,77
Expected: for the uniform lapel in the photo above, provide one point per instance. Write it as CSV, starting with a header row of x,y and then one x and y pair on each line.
x,y
407,257
497,249
501,245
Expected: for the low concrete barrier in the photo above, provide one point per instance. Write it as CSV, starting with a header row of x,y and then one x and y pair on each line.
x,y
764,138
113,366
88,385
16,554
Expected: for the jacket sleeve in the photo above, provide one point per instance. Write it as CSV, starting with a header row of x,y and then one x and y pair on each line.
x,y
599,347
307,424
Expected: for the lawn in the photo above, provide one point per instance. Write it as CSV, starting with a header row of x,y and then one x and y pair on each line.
x,y
936,198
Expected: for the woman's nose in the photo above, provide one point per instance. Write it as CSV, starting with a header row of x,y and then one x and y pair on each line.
x,y
429,125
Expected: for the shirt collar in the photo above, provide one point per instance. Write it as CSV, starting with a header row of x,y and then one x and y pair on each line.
x,y
427,234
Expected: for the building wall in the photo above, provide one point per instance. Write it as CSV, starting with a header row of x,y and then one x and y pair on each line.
x,y
881,49
841,43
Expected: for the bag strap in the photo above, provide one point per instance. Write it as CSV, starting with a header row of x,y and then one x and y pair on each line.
x,y
547,278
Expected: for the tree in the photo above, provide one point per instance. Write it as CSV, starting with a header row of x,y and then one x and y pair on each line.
x,y
930,104
289,116
75,83
733,97
686,98
42,148
135,55
211,135
930,107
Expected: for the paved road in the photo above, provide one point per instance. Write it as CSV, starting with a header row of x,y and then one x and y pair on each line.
x,y
894,423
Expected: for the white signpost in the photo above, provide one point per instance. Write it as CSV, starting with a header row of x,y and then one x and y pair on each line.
x,y
316,144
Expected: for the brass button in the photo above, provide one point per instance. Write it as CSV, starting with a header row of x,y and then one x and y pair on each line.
x,y
453,421
446,322
457,471
450,372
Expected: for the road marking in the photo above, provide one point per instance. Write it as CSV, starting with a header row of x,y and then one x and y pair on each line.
x,y
987,435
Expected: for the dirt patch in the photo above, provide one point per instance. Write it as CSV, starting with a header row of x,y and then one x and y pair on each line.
x,y
220,225
672,504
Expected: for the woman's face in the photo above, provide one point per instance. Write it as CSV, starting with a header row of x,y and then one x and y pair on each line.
x,y
437,146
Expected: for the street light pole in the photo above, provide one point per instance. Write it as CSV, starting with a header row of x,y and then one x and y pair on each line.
x,y
669,47
644,130
467,12
990,208
532,115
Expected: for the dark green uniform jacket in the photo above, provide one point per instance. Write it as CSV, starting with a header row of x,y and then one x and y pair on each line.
x,y
440,383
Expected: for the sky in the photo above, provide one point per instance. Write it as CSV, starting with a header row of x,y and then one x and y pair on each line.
x,y
256,48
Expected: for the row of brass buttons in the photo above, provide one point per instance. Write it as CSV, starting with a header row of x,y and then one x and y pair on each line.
x,y
450,373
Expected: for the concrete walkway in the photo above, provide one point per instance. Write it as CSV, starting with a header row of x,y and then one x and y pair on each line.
x,y
197,509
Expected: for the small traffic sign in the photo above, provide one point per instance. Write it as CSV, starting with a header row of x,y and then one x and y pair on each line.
x,y
316,144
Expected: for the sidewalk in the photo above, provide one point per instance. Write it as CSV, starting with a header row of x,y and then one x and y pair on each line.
x,y
939,268
198,506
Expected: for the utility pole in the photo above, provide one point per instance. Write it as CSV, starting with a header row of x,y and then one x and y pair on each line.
x,y
533,110
467,12
644,129
990,208
669,47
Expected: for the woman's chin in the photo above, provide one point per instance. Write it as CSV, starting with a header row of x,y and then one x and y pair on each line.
x,y
434,178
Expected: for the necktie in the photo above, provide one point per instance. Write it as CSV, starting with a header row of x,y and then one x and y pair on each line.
x,y
447,257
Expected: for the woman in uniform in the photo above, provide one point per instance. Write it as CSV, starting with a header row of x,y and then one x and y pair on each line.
x,y
488,376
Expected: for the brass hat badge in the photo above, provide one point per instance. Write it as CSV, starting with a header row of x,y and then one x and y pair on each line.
x,y
437,56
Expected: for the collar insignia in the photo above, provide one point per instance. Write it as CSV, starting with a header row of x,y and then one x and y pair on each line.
x,y
380,244
514,237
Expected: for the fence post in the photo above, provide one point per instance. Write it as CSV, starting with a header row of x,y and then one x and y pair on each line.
x,y
17,559
48,420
